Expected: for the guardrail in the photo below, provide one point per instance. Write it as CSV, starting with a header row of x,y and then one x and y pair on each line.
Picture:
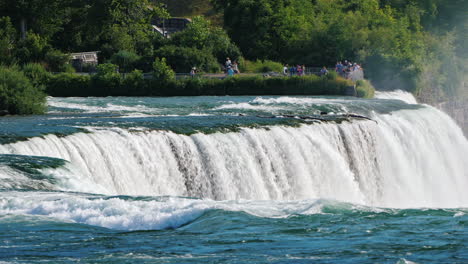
x,y
354,75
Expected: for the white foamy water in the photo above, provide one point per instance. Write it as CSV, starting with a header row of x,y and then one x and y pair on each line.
x,y
411,158
143,213
284,103
297,100
397,95
99,109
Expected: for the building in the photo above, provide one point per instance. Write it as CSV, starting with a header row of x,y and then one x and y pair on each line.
x,y
167,27
84,60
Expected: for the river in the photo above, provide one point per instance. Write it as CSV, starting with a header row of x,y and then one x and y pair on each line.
x,y
270,179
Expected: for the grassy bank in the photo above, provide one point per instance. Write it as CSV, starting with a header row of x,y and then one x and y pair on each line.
x,y
65,84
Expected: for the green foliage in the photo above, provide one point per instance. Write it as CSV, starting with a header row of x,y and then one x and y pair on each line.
x,y
417,45
135,84
18,95
57,61
69,84
36,73
364,89
32,49
7,41
201,35
182,59
162,73
126,60
44,17
261,66
107,80
387,37
332,75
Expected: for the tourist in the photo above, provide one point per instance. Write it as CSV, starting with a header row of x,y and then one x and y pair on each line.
x,y
299,70
193,71
228,63
285,69
230,71
235,67
323,71
339,67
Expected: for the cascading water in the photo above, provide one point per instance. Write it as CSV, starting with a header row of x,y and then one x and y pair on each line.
x,y
408,158
234,180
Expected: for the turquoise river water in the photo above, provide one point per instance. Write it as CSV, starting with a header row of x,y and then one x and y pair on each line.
x,y
234,180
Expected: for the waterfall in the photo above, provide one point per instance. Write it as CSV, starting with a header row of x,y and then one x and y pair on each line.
x,y
407,158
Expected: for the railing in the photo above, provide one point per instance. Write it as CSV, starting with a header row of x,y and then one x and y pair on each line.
x,y
354,75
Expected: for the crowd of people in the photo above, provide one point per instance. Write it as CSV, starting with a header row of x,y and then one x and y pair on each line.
x,y
346,68
231,67
294,70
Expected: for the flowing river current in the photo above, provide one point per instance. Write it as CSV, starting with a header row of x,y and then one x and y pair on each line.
x,y
270,179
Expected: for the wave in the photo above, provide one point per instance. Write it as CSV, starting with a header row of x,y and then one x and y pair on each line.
x,y
288,104
157,213
397,95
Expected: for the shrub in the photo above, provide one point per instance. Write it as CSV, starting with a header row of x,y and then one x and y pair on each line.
x,y
58,61
69,84
126,60
332,75
182,59
36,73
18,95
134,83
364,89
261,66
106,81
162,72
32,49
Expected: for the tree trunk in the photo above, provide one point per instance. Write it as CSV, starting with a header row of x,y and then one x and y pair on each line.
x,y
23,27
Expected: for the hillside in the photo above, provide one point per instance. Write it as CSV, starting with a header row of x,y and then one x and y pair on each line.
x,y
191,8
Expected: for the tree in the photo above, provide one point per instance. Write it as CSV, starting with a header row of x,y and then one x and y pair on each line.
x,y
182,59
7,41
126,60
162,72
18,95
201,35
44,17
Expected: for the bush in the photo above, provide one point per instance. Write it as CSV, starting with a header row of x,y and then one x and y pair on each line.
x,y
69,84
164,84
106,81
182,59
18,95
162,72
261,66
36,73
332,75
134,83
58,61
32,49
364,89
126,60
